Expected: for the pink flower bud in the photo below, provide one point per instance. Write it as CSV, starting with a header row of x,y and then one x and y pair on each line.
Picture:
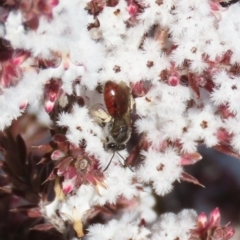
x,y
229,232
138,89
202,220
173,81
64,168
23,105
132,9
52,89
19,57
214,218
52,96
57,155
53,3
48,106
223,233
10,74
215,6
223,136
191,158
68,185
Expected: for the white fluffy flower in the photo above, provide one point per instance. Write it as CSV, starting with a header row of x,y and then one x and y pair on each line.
x,y
82,127
124,228
160,169
171,226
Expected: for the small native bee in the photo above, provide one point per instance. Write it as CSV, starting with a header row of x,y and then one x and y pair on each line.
x,y
118,101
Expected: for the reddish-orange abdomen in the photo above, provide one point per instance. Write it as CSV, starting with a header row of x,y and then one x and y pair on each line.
x,y
117,98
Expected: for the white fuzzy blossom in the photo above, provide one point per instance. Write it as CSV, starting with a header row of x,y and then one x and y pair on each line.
x,y
171,226
124,228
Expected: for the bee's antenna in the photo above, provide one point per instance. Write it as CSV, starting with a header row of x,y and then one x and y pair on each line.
x,y
124,164
124,161
109,162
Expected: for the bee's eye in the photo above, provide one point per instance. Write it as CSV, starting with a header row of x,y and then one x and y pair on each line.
x,y
112,146
121,147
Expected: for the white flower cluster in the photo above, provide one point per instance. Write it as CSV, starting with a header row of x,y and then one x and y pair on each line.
x,y
126,225
154,43
169,227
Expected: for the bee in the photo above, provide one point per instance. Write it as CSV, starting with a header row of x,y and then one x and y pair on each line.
x,y
118,101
